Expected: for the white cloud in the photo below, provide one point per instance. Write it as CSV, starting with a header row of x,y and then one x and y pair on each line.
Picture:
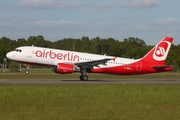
x,y
48,4
159,26
54,30
36,3
51,4
105,6
60,24
144,3
167,21
169,25
133,4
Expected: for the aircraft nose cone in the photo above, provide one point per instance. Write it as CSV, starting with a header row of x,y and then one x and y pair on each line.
x,y
9,55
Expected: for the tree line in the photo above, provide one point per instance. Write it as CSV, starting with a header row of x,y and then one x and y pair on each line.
x,y
131,47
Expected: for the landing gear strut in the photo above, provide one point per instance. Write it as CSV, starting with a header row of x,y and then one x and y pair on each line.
x,y
83,76
27,70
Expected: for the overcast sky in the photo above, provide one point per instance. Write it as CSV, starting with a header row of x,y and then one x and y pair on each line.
x,y
150,20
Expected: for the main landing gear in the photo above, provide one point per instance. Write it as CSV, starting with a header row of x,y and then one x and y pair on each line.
x,y
83,76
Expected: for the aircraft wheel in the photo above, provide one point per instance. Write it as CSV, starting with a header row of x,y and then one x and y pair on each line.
x,y
27,71
84,77
81,77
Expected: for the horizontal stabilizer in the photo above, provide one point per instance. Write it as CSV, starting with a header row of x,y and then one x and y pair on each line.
x,y
163,67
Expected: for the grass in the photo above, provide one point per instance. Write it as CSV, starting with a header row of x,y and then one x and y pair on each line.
x,y
101,101
89,101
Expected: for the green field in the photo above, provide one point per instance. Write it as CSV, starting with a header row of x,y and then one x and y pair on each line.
x,y
89,101
102,102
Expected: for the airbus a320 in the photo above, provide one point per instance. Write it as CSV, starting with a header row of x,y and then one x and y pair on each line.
x,y
67,62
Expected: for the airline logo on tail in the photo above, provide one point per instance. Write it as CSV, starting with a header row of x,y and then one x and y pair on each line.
x,y
161,50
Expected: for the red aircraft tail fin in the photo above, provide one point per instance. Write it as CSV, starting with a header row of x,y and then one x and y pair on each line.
x,y
158,54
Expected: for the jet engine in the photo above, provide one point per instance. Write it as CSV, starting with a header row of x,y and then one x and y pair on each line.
x,y
64,68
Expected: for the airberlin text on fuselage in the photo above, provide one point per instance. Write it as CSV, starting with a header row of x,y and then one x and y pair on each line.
x,y
60,56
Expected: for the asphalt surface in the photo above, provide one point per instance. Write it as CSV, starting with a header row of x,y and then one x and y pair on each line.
x,y
134,81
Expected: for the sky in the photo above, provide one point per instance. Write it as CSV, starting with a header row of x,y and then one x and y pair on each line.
x,y
150,20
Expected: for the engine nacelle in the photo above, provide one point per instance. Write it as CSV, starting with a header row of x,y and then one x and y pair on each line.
x,y
63,68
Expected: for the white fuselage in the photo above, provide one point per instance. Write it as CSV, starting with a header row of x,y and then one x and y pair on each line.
x,y
51,57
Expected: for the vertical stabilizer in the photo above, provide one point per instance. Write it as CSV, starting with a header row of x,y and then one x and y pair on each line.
x,y
159,53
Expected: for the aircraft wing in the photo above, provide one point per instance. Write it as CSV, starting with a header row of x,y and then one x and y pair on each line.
x,y
94,63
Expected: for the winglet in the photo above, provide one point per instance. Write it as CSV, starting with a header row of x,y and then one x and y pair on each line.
x,y
114,58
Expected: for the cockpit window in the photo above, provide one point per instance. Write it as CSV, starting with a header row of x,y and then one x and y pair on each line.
x,y
18,50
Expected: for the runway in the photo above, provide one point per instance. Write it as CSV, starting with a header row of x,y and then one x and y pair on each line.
x,y
70,81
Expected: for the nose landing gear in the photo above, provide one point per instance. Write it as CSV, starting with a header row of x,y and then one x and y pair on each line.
x,y
27,70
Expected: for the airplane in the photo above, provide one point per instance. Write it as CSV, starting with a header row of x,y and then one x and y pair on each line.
x,y
67,62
